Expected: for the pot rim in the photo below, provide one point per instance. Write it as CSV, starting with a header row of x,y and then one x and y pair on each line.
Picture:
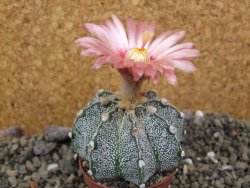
x,y
85,175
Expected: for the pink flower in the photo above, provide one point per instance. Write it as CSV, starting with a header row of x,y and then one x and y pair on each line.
x,y
135,50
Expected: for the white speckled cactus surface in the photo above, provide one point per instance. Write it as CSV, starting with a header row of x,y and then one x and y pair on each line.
x,y
128,144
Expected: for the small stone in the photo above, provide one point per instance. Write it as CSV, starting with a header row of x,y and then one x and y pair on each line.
x,y
241,165
191,168
245,184
217,122
90,173
185,169
227,167
55,156
70,135
82,185
216,135
247,178
57,133
188,161
228,180
23,184
233,158
142,186
44,148
199,114
75,156
26,178
11,132
36,162
13,181
211,156
195,185
218,184
29,166
14,147
52,167
25,154
187,114
71,178
203,167
22,169
23,141
182,153
35,176
12,173
245,156
4,183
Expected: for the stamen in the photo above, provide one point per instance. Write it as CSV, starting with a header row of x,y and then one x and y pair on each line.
x,y
137,55
147,37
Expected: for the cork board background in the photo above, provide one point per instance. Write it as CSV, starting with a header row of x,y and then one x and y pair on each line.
x,y
44,81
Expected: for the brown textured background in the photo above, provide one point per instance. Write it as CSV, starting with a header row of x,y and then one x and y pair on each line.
x,y
43,79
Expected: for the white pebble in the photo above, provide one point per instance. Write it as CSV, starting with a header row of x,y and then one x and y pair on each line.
x,y
185,169
211,156
185,132
142,186
199,114
105,116
227,167
188,161
75,156
183,153
90,173
53,166
172,129
70,134
216,135
182,114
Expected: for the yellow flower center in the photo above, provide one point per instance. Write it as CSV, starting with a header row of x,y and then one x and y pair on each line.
x,y
137,55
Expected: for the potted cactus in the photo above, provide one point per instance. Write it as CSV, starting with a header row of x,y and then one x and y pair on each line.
x,y
131,135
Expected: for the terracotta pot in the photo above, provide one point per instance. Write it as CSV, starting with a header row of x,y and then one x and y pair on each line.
x,y
93,184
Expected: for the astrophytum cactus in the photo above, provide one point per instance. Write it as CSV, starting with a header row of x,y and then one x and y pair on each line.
x,y
129,144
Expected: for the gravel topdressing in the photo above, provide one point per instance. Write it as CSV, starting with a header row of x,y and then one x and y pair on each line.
x,y
216,147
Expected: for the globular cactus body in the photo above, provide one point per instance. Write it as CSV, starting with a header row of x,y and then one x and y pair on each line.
x,y
132,145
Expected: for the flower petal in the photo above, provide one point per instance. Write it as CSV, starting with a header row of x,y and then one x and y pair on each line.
x,y
183,65
176,48
121,31
185,53
159,39
99,62
167,43
131,27
170,77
